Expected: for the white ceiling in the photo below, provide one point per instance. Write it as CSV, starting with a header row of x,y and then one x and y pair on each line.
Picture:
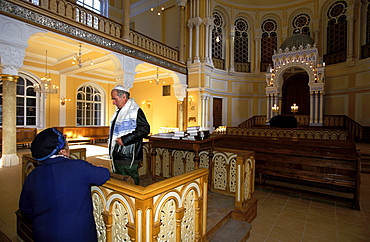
x,y
61,50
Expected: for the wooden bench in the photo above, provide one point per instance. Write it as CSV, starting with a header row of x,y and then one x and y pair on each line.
x,y
323,164
25,136
90,134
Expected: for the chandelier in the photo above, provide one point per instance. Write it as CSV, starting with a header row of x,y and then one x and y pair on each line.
x,y
45,85
159,9
157,80
77,59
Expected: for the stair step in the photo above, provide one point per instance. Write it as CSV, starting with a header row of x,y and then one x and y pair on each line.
x,y
232,230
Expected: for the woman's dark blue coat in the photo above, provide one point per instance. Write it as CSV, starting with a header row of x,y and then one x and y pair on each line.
x,y
56,196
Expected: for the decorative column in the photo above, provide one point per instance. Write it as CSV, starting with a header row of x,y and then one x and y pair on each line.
x,y
256,57
181,4
126,21
232,44
350,33
321,114
197,23
9,129
204,97
317,93
180,94
190,59
311,106
208,41
126,74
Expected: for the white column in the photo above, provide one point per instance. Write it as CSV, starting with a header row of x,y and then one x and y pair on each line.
x,y
190,59
321,121
208,41
204,108
316,106
311,107
197,43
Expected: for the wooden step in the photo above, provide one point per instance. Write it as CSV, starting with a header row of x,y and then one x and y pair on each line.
x,y
232,230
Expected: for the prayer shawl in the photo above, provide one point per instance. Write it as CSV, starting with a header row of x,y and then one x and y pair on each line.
x,y
125,124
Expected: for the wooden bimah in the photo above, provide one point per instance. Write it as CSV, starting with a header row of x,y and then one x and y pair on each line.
x,y
189,145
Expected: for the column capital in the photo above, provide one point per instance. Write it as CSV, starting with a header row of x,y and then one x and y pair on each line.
x,y
11,58
181,3
10,78
180,91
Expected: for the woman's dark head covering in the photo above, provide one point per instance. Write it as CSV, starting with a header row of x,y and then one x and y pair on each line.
x,y
47,143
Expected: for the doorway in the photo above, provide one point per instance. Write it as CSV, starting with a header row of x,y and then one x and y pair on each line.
x,y
296,90
217,112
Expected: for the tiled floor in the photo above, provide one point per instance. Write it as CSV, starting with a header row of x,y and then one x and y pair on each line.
x,y
281,216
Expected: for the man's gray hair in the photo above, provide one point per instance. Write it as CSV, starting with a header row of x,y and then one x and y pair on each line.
x,y
121,90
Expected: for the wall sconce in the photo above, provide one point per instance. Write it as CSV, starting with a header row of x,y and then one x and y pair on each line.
x,y
294,108
64,100
275,109
147,103
191,102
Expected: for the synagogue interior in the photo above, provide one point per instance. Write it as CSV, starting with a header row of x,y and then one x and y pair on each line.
x,y
277,92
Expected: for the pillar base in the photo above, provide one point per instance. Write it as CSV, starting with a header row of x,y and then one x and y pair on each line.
x,y
9,160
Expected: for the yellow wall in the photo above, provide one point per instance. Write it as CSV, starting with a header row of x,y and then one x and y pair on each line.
x,y
163,109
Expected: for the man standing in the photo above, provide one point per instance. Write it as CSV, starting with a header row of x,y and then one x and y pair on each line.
x,y
128,128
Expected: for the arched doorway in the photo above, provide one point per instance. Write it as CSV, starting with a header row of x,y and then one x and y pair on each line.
x,y
296,90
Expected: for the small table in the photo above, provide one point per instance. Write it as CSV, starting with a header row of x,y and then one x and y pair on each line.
x,y
189,145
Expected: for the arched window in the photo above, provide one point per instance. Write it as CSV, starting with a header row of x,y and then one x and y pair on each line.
x,y
301,24
27,106
336,33
89,106
365,52
268,43
241,46
217,40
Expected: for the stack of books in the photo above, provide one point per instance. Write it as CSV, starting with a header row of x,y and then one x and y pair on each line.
x,y
193,133
179,135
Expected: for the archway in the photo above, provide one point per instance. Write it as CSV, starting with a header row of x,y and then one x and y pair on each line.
x,y
296,90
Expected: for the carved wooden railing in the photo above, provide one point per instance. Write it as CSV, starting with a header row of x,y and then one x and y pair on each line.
x,y
294,133
345,122
90,19
257,120
329,121
232,170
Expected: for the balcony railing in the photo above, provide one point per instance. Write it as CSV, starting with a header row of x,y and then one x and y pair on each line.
x,y
91,20
242,66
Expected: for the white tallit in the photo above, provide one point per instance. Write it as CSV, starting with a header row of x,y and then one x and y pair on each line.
x,y
125,122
